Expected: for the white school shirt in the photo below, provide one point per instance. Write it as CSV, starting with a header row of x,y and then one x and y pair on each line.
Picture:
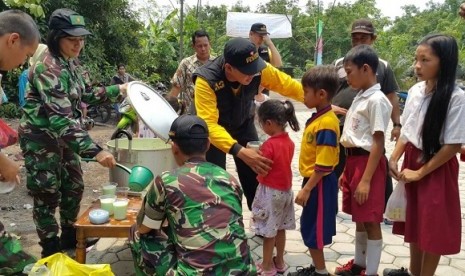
x,y
413,117
370,112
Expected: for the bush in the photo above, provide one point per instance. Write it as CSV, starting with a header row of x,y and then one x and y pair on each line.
x,y
10,110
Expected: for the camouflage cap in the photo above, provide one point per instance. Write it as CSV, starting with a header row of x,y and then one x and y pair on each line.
x,y
69,22
188,127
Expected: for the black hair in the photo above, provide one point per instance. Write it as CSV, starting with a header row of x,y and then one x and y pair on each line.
x,y
199,33
322,77
193,146
16,21
53,41
446,49
178,105
281,112
120,65
363,54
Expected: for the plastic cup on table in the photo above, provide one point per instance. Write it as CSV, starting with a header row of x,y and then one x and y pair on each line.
x,y
106,203
120,208
122,192
109,188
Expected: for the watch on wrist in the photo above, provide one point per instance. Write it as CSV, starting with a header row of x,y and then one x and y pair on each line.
x,y
397,125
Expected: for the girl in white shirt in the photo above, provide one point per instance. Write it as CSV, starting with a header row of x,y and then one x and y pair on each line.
x,y
431,136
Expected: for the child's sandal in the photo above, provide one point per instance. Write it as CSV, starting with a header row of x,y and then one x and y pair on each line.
x,y
282,269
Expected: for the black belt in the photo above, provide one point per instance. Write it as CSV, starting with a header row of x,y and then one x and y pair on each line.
x,y
356,152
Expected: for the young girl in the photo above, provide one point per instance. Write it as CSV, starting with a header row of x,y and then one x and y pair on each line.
x,y
273,208
432,134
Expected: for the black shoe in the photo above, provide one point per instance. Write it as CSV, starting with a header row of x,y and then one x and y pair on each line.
x,y
388,221
50,246
396,272
306,271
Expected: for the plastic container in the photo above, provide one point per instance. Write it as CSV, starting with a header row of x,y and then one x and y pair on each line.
x,y
6,187
99,216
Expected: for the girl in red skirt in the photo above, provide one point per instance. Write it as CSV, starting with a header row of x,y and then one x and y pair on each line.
x,y
432,134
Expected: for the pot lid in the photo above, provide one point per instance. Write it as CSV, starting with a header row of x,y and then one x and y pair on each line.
x,y
156,113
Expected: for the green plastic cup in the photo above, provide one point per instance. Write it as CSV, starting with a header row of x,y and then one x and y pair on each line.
x,y
140,178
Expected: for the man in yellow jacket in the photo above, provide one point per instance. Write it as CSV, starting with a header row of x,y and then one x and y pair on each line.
x,y
224,98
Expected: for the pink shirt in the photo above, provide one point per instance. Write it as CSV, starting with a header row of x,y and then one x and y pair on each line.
x,y
280,149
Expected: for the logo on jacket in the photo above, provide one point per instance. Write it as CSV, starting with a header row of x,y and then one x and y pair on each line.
x,y
219,85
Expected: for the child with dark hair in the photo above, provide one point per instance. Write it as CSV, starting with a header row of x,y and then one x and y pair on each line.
x,y
432,134
364,178
273,208
319,154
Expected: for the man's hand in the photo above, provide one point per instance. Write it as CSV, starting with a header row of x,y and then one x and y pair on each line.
x,y
253,158
106,159
123,89
339,110
9,170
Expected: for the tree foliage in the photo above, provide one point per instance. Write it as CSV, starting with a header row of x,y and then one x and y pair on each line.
x,y
148,39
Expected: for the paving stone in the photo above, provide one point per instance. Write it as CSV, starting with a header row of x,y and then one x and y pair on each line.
x,y
459,264
125,255
343,248
460,255
341,228
293,246
402,262
123,268
104,243
297,259
120,244
397,250
390,239
445,270
252,244
293,235
330,255
109,258
343,237
343,259
386,258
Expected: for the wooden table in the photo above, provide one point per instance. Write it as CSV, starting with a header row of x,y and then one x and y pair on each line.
x,y
113,228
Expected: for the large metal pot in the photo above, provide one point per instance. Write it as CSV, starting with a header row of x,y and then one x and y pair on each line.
x,y
152,153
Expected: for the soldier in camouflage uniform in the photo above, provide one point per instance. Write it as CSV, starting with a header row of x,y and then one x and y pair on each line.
x,y
201,203
52,134
19,37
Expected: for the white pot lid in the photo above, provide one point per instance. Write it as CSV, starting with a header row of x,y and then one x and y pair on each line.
x,y
156,113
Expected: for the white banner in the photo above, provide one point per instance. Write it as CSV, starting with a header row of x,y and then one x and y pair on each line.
x,y
278,25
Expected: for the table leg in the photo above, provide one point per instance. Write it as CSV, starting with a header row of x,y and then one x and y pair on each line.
x,y
81,246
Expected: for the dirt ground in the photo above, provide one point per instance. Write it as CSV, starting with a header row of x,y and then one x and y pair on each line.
x,y
16,207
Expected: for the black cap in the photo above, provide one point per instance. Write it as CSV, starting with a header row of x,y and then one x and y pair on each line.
x,y
363,26
69,22
188,127
259,28
242,54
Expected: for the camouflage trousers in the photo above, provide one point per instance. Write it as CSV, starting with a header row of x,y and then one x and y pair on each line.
x,y
13,259
54,179
153,253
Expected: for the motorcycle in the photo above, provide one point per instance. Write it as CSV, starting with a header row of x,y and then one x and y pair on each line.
x,y
128,116
99,113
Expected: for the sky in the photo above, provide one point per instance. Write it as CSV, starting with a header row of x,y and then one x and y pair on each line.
x,y
391,8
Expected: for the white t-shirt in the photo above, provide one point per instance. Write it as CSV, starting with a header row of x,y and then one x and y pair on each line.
x,y
413,117
370,112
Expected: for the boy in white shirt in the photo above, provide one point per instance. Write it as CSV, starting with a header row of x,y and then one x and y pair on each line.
x,y
363,179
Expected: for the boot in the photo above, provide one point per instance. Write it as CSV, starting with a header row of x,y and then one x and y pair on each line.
x,y
50,246
68,238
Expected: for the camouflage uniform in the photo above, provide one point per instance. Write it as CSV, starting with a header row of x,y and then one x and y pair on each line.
x,y
183,79
205,233
52,139
12,257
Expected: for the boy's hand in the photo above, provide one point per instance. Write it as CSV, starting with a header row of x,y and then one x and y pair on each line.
x,y
302,197
362,191
339,182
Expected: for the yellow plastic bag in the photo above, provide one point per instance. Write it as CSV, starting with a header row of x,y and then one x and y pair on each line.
x,y
61,265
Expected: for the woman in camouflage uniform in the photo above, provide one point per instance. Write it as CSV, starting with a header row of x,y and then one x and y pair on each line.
x,y
52,134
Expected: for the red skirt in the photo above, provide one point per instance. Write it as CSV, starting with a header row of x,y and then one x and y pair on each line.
x,y
433,219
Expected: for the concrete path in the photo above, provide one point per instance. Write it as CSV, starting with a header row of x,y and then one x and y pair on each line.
x,y
395,251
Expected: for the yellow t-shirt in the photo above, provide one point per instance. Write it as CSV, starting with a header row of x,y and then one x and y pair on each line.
x,y
319,150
